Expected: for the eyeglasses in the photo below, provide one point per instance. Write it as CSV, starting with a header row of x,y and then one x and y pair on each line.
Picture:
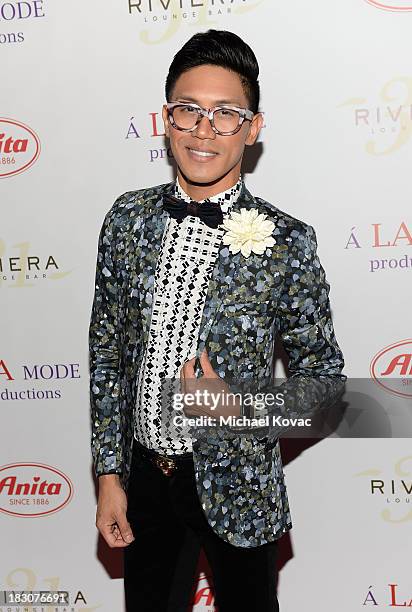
x,y
225,120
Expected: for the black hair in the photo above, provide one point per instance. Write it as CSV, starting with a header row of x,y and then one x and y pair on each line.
x,y
219,48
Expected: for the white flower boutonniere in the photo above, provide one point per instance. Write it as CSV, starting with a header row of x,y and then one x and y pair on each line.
x,y
248,231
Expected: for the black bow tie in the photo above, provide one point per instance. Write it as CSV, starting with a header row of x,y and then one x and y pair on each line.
x,y
209,212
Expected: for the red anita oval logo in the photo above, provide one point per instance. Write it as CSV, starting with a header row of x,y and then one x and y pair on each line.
x,y
19,147
33,489
204,594
391,368
392,5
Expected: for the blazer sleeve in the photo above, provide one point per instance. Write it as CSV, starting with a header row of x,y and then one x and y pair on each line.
x,y
304,317
305,325
104,355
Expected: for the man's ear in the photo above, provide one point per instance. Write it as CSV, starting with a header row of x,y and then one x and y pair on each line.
x,y
255,126
166,121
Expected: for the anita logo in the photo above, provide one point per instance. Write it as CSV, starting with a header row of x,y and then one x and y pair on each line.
x,y
33,489
19,147
391,368
203,596
392,5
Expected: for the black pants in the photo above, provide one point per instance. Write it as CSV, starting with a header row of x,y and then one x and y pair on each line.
x,y
170,528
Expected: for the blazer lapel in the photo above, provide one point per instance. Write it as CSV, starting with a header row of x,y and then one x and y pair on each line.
x,y
147,251
224,275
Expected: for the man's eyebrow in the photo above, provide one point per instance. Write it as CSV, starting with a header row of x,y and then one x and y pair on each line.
x,y
217,102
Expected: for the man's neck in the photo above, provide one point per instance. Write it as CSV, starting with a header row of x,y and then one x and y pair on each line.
x,y
199,191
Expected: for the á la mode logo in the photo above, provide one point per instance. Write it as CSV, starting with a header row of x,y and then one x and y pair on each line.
x,y
19,147
33,489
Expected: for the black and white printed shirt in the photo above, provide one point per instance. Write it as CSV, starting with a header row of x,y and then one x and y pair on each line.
x,y
184,266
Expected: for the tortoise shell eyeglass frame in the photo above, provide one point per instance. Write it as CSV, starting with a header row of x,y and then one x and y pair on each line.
x,y
244,114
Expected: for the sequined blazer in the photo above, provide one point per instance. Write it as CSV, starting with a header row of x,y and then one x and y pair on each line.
x,y
250,301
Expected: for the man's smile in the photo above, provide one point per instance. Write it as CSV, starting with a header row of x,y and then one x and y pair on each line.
x,y
200,155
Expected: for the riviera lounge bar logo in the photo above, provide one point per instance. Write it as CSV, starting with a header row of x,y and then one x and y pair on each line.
x,y
390,489
23,267
163,10
23,583
19,147
383,120
173,13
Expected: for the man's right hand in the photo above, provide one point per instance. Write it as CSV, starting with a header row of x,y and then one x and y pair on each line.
x,y
111,518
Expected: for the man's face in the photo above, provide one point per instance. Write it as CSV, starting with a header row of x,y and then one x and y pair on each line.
x,y
210,86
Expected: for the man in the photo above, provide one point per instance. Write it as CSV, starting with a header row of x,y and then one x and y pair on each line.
x,y
191,285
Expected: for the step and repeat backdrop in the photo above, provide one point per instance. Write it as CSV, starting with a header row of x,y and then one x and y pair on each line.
x,y
81,90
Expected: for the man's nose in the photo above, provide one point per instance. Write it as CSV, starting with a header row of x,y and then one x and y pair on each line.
x,y
204,129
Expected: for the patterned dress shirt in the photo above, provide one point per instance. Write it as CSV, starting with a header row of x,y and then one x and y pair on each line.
x,y
185,264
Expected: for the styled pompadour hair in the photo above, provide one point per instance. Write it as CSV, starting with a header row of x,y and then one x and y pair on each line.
x,y
219,48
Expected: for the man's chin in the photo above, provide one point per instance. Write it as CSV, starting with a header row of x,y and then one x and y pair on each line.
x,y
204,179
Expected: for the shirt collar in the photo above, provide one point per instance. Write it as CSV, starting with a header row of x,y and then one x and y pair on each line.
x,y
226,198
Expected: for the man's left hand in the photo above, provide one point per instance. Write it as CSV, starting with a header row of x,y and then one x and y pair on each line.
x,y
212,390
